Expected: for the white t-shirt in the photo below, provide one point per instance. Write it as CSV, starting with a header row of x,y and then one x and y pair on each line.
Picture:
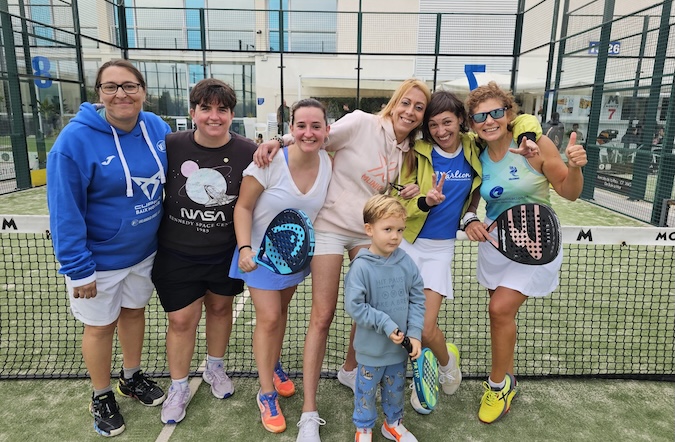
x,y
281,192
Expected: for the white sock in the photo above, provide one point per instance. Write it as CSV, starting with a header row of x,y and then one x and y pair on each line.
x,y
212,362
309,414
180,383
497,385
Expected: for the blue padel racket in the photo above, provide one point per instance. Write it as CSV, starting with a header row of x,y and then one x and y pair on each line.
x,y
425,376
528,234
288,244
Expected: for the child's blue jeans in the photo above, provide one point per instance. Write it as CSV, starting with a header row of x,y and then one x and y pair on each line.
x,y
392,382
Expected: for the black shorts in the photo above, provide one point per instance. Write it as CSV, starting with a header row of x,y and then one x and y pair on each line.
x,y
180,282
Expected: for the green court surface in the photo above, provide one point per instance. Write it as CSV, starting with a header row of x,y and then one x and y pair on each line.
x,y
548,409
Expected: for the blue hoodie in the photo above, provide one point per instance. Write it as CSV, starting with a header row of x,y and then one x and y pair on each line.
x,y
104,193
383,294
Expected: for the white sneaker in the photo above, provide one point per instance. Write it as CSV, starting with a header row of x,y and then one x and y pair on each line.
x,y
363,435
221,384
309,427
397,432
173,408
415,402
451,377
347,378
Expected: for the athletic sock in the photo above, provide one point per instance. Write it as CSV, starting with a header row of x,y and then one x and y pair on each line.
x,y
180,383
212,361
103,391
496,385
129,372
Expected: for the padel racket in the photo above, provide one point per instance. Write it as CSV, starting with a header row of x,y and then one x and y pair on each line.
x,y
425,376
288,244
528,234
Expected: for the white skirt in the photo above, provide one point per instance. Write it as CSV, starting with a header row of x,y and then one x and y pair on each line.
x,y
495,270
434,259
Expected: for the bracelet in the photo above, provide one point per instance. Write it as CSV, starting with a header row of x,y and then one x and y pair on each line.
x,y
279,139
247,246
468,218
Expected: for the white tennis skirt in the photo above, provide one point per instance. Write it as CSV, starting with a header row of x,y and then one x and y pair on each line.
x,y
495,270
434,259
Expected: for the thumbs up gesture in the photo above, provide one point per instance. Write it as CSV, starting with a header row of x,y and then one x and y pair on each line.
x,y
576,154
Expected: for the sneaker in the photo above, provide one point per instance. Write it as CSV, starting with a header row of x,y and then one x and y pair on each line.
x,y
107,418
415,402
221,384
496,402
347,378
173,408
270,412
397,432
142,388
451,378
282,383
363,435
308,427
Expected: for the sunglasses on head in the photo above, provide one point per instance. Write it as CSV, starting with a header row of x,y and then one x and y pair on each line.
x,y
494,113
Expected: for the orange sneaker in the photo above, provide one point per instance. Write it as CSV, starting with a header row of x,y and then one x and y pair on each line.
x,y
282,383
270,412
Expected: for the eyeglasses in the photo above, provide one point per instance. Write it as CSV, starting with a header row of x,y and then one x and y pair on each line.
x,y
496,114
111,88
397,186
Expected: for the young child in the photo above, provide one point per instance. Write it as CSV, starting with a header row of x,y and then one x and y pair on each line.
x,y
385,298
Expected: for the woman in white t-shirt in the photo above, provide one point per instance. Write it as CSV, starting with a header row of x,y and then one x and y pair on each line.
x,y
297,179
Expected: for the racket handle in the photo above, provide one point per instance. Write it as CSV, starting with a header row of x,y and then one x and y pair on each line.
x,y
407,345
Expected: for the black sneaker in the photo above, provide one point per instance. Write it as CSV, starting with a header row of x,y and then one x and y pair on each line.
x,y
140,387
107,418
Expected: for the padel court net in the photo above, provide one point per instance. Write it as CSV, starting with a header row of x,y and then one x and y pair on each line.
x,y
613,314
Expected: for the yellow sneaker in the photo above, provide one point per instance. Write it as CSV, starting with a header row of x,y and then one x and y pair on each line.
x,y
270,412
496,403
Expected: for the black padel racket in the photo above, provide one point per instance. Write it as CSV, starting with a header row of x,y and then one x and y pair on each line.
x,y
425,376
528,234
288,244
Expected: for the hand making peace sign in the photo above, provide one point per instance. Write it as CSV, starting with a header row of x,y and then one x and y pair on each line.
x,y
435,194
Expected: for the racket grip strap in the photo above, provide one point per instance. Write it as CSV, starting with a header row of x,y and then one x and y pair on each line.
x,y
247,246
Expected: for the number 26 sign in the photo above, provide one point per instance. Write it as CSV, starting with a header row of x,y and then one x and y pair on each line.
x,y
613,49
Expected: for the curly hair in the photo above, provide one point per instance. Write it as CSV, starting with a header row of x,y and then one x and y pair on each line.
x,y
492,91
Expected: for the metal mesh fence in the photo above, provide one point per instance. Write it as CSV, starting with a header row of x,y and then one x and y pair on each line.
x,y
611,316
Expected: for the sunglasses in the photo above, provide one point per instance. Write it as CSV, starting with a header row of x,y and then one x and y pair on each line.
x,y
496,114
397,186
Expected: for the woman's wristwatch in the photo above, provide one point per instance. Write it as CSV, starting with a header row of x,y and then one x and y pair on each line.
x,y
467,219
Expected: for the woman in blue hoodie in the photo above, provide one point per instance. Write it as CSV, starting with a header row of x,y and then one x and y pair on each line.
x,y
106,173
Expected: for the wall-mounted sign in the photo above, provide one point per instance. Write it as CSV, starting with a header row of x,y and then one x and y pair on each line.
x,y
613,49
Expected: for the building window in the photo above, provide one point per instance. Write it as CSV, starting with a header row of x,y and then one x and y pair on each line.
x,y
308,26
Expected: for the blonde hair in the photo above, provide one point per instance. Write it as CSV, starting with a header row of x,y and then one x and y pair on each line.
x,y
398,95
488,92
409,156
382,206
